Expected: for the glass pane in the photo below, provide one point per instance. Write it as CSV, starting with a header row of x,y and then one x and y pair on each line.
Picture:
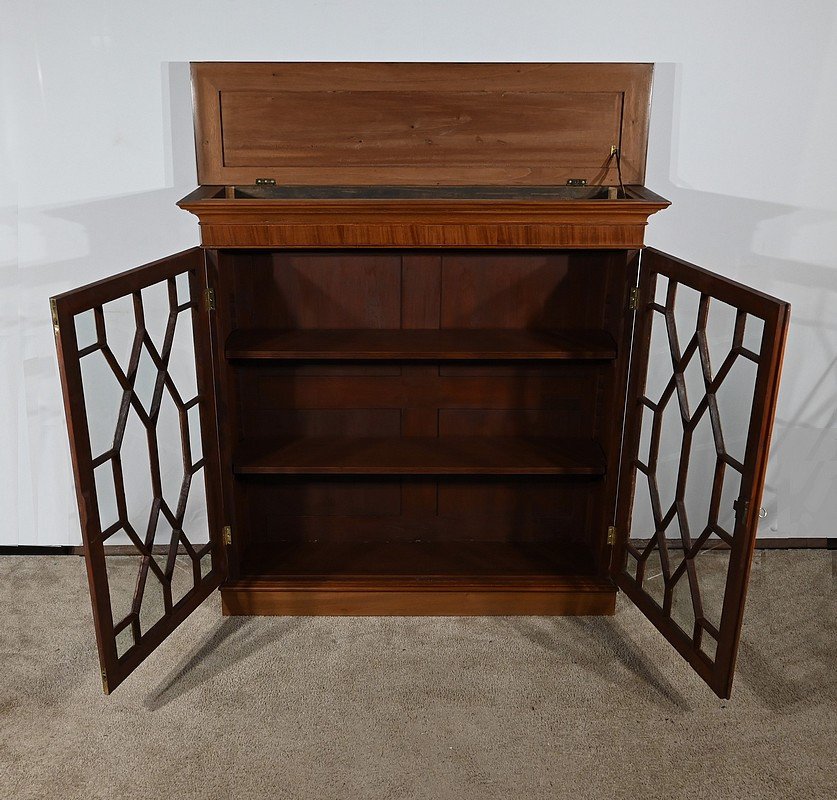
x,y
642,515
685,314
122,577
695,387
734,397
120,330
206,564
182,291
660,289
730,492
136,472
682,610
195,522
720,332
155,306
106,495
708,645
182,579
674,546
697,495
124,641
85,329
153,604
653,582
659,359
182,359
102,395
753,332
670,425
170,451
712,567
193,421
146,380
645,435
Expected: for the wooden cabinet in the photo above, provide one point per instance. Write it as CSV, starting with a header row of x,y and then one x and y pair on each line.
x,y
423,322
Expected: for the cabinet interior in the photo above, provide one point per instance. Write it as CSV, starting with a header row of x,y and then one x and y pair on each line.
x,y
415,415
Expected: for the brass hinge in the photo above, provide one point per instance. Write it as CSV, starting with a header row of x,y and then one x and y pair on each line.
x,y
227,535
265,182
53,308
611,535
105,688
633,298
577,182
210,299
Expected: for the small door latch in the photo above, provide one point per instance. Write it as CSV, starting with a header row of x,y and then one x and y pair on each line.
x,y
743,506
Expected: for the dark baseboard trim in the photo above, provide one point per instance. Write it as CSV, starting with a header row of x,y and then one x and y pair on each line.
x,y
78,550
36,550
130,550
812,543
786,543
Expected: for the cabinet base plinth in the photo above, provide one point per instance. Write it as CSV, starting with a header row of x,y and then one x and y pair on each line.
x,y
243,598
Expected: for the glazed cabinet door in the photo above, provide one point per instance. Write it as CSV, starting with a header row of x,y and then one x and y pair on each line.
x,y
705,368
133,354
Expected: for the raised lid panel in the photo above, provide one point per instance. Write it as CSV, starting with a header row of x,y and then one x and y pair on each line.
x,y
402,124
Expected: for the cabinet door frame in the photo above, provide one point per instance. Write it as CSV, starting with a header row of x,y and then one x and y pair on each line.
x,y
65,307
774,313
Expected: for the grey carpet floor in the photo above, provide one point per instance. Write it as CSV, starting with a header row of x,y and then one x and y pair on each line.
x,y
418,707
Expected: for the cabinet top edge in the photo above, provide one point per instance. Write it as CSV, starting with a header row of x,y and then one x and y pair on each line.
x,y
421,198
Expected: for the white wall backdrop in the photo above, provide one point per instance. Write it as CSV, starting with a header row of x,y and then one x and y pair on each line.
x,y
98,147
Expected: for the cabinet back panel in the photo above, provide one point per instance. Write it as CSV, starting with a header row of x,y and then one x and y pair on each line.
x,y
522,290
313,290
284,401
562,419
375,289
426,509
323,422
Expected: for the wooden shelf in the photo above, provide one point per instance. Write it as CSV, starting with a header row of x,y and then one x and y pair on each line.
x,y
451,455
421,345
502,562
418,578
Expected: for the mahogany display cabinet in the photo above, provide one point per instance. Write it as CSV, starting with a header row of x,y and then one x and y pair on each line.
x,y
425,329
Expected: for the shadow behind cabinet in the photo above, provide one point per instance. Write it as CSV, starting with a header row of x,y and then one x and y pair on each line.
x,y
423,325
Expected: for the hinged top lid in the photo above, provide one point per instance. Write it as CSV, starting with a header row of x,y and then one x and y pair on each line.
x,y
420,124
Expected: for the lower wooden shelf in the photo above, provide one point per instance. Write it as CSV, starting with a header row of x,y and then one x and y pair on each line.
x,y
419,579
